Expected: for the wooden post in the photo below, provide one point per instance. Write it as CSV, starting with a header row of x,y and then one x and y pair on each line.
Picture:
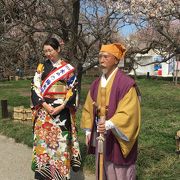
x,y
176,79
177,68
148,75
4,108
16,78
177,137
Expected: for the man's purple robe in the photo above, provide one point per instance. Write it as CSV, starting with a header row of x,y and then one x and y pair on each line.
x,y
120,87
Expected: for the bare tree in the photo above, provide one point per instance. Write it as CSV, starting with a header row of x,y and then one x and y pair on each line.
x,y
157,24
55,17
81,27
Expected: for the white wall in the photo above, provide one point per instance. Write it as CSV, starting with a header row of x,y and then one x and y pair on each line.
x,y
165,71
143,70
148,58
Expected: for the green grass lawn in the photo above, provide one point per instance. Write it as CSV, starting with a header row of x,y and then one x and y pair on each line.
x,y
160,121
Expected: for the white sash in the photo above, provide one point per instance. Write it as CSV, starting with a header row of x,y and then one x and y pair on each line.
x,y
55,76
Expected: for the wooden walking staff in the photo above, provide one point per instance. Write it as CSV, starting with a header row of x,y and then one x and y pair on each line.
x,y
101,136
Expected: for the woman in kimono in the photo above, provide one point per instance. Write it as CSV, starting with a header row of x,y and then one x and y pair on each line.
x,y
55,147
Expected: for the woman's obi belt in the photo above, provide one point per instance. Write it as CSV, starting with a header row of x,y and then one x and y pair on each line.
x,y
57,91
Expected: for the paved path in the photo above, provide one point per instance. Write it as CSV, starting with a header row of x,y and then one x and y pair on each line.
x,y
15,162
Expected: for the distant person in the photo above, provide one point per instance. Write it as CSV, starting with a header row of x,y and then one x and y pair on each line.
x,y
116,94
55,147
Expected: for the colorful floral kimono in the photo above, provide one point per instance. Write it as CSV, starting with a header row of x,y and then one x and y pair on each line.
x,y
55,147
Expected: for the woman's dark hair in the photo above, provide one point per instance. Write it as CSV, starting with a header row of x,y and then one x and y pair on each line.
x,y
53,42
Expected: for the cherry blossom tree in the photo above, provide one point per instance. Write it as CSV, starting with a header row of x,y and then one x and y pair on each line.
x,y
81,26
157,25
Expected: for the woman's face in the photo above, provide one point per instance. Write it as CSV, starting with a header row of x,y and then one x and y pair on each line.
x,y
51,53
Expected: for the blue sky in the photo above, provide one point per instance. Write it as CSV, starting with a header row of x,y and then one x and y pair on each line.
x,y
127,30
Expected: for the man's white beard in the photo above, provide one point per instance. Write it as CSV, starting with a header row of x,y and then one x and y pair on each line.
x,y
104,71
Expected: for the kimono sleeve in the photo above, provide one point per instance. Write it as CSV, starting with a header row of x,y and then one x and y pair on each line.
x,y
87,113
127,119
36,96
72,100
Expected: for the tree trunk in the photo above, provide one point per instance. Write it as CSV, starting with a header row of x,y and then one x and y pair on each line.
x,y
79,78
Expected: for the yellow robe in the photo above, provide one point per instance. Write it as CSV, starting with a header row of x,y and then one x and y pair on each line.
x,y
127,116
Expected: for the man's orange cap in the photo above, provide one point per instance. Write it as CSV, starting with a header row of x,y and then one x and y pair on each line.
x,y
116,49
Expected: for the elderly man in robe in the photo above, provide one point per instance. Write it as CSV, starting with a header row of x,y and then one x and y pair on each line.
x,y
121,124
